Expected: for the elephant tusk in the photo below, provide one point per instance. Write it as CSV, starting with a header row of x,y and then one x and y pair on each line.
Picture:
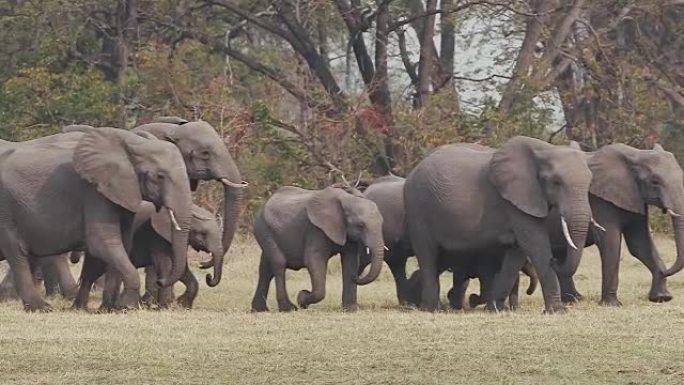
x,y
367,250
173,220
242,184
386,248
597,225
672,213
566,232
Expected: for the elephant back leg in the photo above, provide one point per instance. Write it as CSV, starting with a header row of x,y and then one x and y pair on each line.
x,y
278,264
456,294
505,279
111,290
191,289
640,244
92,269
261,292
396,260
151,295
22,273
426,253
609,245
56,268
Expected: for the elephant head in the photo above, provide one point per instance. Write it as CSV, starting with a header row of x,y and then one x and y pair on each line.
x,y
206,158
631,179
342,216
536,177
128,169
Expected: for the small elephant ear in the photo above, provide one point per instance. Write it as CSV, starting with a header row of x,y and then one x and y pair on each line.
x,y
161,223
101,158
513,170
613,179
575,145
325,211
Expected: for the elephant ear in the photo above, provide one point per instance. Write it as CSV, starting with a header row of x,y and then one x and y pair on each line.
x,y
325,211
513,171
101,157
161,223
613,177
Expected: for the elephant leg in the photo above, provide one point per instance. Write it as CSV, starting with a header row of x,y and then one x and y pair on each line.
x,y
191,288
162,264
92,269
110,291
278,266
261,292
513,301
609,248
117,260
317,265
67,284
46,267
640,244
151,295
569,293
350,267
24,283
397,265
427,254
7,290
456,294
504,280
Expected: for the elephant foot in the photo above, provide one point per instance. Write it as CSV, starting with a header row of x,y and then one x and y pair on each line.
x,y
302,298
610,300
129,299
106,308
570,298
70,293
497,306
559,309
287,307
185,301
474,301
259,304
147,299
37,305
350,308
659,293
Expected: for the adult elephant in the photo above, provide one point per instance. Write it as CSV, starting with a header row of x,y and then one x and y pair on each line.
x,y
475,200
625,182
304,228
206,158
97,183
151,249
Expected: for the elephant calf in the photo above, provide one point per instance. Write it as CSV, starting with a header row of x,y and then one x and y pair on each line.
x,y
299,228
151,248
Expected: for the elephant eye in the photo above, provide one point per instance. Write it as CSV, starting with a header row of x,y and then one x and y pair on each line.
x,y
205,154
655,182
161,176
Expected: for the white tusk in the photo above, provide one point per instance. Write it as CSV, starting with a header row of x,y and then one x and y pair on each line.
x,y
173,220
597,225
242,184
367,250
386,248
566,232
672,213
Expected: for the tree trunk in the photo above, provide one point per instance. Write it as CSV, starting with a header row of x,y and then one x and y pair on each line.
x,y
426,54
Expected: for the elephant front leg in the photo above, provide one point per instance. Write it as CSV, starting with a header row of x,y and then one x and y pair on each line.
x,y
456,294
641,245
317,265
504,280
397,265
609,248
91,271
350,267
67,284
110,291
151,295
191,289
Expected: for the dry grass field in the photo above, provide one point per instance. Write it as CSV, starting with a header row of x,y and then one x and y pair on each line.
x,y
221,342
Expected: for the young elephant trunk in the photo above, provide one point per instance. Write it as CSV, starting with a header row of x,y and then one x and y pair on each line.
x,y
377,258
179,209
217,257
678,224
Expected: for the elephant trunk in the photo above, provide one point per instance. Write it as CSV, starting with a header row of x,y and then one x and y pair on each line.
x,y
528,269
575,228
377,253
232,198
179,207
678,225
217,256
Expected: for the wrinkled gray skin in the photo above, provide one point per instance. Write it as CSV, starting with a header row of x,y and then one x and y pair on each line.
x,y
97,182
473,200
626,181
206,158
299,228
151,249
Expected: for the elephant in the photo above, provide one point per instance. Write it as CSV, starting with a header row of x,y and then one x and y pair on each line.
x,y
151,249
470,200
51,272
299,228
625,182
97,182
206,158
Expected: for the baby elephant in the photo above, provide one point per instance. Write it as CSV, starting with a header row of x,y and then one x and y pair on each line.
x,y
151,249
299,228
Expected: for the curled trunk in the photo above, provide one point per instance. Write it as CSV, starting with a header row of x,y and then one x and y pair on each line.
x,y
377,259
217,257
678,224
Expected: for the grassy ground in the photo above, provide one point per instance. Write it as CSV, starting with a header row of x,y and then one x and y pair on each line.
x,y
220,342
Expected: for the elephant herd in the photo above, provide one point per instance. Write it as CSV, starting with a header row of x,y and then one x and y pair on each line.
x,y
124,200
